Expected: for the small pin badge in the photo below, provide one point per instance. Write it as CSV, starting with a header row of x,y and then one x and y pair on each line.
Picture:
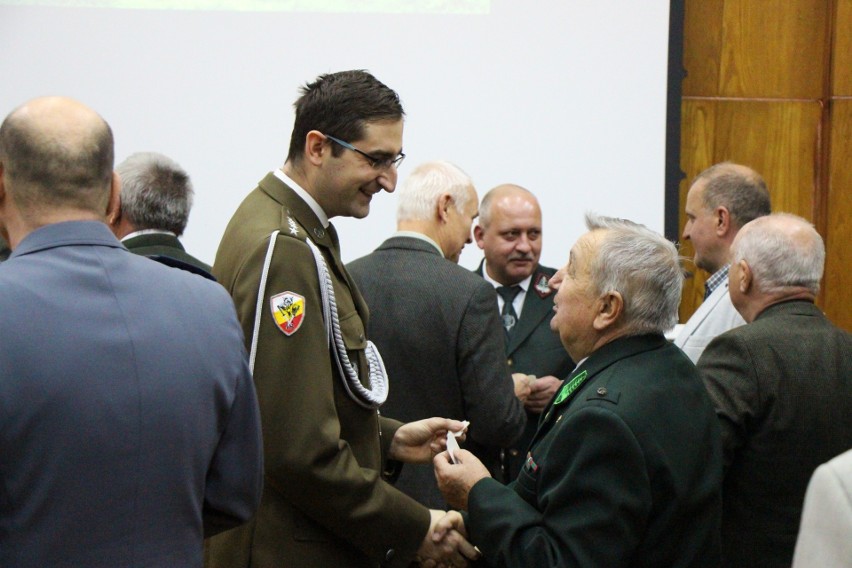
x,y
542,288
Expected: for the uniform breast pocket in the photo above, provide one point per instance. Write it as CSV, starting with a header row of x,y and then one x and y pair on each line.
x,y
526,484
352,329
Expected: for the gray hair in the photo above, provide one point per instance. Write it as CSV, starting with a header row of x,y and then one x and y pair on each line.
x,y
422,188
643,267
783,251
156,192
740,189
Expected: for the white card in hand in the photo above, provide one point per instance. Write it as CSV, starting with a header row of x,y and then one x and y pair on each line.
x,y
452,443
452,446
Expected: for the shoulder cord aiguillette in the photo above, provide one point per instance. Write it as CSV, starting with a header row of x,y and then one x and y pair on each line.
x,y
376,395
371,398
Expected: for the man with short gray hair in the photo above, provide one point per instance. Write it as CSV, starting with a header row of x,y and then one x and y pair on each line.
x,y
722,199
625,469
435,323
156,196
782,387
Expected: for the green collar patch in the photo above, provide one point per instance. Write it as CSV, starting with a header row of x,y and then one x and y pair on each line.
x,y
569,387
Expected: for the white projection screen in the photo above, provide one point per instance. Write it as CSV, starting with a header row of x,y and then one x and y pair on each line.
x,y
566,98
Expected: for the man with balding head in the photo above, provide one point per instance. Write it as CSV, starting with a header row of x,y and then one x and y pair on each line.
x,y
781,385
435,325
126,434
722,199
510,235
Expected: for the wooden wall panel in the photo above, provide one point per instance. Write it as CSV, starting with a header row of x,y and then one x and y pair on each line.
x,y
774,48
837,293
702,46
842,50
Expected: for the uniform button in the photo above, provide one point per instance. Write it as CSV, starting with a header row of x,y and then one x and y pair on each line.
x,y
602,391
361,337
509,362
319,232
513,452
389,555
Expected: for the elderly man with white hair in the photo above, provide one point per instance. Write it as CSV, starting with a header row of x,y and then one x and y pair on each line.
x,y
782,387
625,468
435,324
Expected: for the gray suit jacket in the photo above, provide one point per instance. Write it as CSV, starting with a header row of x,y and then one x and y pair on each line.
x,y
782,388
129,427
442,343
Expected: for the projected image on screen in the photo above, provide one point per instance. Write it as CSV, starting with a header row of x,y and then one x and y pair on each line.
x,y
315,6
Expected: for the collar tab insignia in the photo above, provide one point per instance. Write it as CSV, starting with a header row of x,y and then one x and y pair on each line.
x,y
541,285
288,311
294,229
571,386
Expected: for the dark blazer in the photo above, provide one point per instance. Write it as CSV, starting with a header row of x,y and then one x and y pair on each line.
x,y
782,387
534,349
325,501
626,472
435,325
158,245
129,427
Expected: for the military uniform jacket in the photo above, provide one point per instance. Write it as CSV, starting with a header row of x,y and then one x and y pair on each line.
x,y
535,349
625,472
161,244
325,502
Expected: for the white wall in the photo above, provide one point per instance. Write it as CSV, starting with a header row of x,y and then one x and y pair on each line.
x,y
566,98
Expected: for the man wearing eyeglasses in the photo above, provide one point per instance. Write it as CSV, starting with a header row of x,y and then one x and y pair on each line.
x,y
328,453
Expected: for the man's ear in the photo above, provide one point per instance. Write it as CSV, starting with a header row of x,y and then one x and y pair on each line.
x,y
746,277
316,148
479,236
722,219
610,308
442,207
113,210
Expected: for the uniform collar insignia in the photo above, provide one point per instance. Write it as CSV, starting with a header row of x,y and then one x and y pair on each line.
x,y
540,285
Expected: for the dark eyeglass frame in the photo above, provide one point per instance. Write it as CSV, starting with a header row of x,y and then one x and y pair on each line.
x,y
375,162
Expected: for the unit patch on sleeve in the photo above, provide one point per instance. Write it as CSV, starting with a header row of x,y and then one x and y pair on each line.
x,y
288,311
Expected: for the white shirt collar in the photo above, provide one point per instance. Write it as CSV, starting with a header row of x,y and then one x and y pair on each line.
x,y
306,197
147,232
524,284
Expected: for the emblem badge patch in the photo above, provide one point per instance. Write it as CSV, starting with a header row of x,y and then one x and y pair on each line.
x,y
541,285
288,311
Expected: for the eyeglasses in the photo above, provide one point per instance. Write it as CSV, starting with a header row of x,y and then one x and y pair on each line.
x,y
376,162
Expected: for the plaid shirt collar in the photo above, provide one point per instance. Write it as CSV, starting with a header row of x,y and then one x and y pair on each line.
x,y
717,278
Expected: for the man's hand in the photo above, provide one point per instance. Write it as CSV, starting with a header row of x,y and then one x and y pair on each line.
x,y
522,386
543,390
445,545
456,480
418,442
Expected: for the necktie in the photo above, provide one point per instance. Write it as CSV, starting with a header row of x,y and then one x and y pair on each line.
x,y
707,291
508,314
